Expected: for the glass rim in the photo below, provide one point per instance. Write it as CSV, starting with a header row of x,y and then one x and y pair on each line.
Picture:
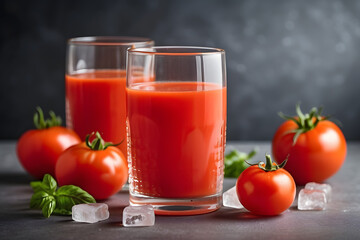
x,y
171,50
109,41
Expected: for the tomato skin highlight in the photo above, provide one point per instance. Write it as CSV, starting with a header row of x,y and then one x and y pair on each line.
x,y
265,193
317,154
101,173
38,150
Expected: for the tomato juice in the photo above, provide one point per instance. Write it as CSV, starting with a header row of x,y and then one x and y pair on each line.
x,y
176,138
96,101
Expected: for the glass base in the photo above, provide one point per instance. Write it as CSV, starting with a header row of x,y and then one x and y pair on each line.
x,y
183,206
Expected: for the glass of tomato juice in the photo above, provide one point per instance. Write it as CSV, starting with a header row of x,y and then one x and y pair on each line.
x,y
176,128
95,86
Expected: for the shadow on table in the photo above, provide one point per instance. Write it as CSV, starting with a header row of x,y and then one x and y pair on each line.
x,y
239,214
15,178
115,219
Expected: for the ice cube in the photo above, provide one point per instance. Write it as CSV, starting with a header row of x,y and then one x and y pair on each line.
x,y
230,199
326,188
311,200
90,213
138,216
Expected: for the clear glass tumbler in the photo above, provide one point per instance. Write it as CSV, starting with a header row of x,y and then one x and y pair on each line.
x,y
176,128
95,85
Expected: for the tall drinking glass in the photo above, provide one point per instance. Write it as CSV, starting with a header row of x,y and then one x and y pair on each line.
x,y
95,85
176,124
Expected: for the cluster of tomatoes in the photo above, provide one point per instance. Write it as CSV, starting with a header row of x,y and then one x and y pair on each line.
x,y
311,149
97,167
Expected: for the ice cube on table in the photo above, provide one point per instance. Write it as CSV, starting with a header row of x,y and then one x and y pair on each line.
x,y
326,188
311,200
230,199
90,213
138,216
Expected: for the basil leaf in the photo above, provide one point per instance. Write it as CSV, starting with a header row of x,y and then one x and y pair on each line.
x,y
37,186
50,183
50,201
75,193
235,163
48,206
64,205
62,211
70,195
38,199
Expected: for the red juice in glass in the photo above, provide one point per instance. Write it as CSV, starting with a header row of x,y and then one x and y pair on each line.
x,y
177,138
96,101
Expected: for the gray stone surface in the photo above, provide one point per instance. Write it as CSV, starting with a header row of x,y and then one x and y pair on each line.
x,y
341,219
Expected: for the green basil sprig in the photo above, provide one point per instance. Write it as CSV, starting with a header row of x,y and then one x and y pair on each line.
x,y
235,163
60,201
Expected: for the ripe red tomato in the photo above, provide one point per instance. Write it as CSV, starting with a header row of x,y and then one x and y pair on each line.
x,y
39,149
101,171
318,153
266,192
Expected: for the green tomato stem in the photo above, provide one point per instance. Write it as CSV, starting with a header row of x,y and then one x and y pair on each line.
x,y
269,165
41,123
305,122
98,142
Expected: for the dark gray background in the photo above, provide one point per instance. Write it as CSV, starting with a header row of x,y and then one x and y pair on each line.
x,y
278,53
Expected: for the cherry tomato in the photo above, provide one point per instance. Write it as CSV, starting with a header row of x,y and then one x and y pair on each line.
x,y
266,189
39,149
99,168
316,153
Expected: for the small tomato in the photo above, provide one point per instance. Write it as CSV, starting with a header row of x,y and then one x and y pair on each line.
x,y
97,167
315,146
266,189
39,149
